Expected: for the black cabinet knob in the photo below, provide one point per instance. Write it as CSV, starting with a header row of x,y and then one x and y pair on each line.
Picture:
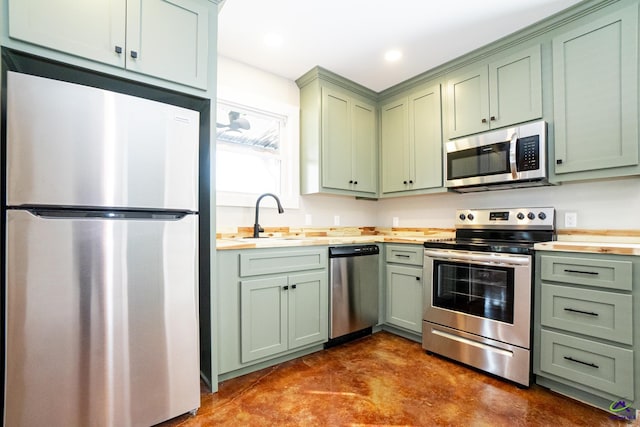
x,y
286,288
350,181
405,182
493,118
484,120
410,181
294,286
355,182
417,278
559,162
134,54
118,49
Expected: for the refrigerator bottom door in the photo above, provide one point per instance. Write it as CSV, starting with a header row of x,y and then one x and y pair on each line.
x,y
102,322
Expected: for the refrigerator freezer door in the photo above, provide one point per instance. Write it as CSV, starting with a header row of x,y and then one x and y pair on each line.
x,y
102,325
75,145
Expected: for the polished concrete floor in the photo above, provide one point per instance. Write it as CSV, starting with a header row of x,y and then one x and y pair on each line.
x,y
383,380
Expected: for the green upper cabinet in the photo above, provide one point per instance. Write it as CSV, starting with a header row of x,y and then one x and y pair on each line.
x,y
349,135
595,97
505,91
338,128
411,142
167,39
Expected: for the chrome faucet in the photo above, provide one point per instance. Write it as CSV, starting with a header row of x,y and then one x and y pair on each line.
x,y
256,227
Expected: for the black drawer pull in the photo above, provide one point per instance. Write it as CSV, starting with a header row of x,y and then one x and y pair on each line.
x,y
593,273
571,359
573,310
294,286
286,288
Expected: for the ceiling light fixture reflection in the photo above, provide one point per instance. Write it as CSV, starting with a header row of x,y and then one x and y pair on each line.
x,y
393,55
273,40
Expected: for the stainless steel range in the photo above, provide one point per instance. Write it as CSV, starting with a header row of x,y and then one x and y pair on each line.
x,y
479,289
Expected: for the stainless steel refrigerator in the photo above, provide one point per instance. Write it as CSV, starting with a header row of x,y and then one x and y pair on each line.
x,y
101,257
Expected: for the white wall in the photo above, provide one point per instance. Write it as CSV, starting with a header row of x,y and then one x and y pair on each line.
x,y
611,204
246,85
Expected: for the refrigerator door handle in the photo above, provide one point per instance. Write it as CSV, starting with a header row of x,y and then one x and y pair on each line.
x,y
50,213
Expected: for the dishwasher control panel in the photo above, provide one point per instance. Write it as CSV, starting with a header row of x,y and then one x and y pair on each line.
x,y
348,251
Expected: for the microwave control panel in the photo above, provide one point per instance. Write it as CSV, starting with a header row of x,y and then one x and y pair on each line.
x,y
528,153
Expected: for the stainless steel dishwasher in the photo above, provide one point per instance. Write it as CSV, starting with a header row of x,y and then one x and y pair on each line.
x,y
353,289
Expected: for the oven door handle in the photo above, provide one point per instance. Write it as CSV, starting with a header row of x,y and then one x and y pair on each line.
x,y
479,258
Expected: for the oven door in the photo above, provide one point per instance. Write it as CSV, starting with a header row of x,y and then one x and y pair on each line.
x,y
482,293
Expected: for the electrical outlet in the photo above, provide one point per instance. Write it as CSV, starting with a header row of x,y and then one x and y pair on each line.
x,y
307,219
336,220
396,221
570,219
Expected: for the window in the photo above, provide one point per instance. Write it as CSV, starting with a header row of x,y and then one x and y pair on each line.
x,y
256,153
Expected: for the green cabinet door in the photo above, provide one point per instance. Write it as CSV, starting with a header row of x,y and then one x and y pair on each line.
x,y
308,309
263,317
364,153
515,88
170,39
336,140
404,297
91,30
595,94
468,101
395,146
425,139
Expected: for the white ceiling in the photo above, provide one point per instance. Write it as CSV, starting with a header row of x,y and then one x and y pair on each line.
x,y
350,37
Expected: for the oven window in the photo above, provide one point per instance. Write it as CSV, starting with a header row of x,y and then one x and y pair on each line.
x,y
479,290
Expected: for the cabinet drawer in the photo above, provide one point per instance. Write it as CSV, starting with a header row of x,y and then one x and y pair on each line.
x,y
405,254
599,314
587,271
253,263
603,367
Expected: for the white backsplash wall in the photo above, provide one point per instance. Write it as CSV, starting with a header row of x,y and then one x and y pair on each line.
x,y
612,204
315,211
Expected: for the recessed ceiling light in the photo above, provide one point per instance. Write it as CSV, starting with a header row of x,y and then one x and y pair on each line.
x,y
393,55
273,40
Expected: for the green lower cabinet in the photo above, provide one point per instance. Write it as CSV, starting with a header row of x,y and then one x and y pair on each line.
x,y
586,340
282,313
404,297
272,305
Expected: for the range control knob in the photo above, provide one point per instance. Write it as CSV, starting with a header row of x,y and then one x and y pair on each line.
x,y
462,217
531,215
470,217
520,215
542,215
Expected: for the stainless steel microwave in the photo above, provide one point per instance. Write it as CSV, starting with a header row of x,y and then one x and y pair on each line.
x,y
504,158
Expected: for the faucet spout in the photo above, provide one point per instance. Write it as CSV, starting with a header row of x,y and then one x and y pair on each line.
x,y
256,226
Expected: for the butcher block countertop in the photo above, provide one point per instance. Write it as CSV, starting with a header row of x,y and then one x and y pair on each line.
x,y
621,242
618,242
285,236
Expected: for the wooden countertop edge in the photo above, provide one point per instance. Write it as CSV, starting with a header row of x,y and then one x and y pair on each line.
x,y
231,244
591,247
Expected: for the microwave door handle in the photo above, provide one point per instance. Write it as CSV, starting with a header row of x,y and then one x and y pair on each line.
x,y
512,155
